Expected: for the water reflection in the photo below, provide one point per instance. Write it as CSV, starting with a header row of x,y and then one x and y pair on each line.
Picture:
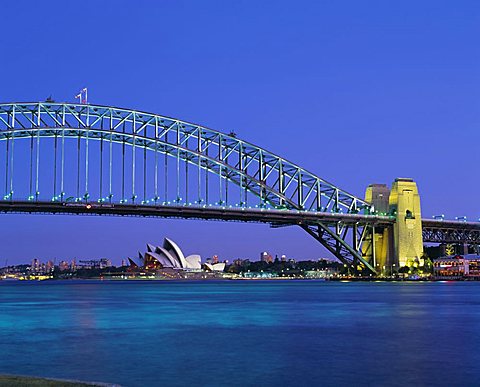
x,y
242,333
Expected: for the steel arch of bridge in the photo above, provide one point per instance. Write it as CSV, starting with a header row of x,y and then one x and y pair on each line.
x,y
276,183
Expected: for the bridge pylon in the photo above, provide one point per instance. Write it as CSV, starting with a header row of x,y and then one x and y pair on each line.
x,y
378,248
390,247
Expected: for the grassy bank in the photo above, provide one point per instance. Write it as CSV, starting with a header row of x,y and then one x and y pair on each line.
x,y
24,381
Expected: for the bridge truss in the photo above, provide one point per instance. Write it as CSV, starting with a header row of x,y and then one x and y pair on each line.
x,y
112,159
440,231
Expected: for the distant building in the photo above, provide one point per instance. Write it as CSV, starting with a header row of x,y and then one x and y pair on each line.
x,y
63,265
325,273
102,263
241,262
256,274
266,257
35,264
49,266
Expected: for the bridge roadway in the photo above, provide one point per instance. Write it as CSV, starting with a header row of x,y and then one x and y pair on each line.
x,y
272,216
434,231
449,231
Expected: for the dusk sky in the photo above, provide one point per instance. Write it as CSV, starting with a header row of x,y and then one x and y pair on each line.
x,y
355,92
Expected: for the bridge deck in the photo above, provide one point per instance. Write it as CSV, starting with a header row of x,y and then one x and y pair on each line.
x,y
277,217
449,231
437,231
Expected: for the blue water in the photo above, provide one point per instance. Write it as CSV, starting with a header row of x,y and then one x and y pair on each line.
x,y
243,333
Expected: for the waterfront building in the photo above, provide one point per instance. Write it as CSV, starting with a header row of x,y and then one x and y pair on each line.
x,y
219,266
323,273
167,256
259,275
457,266
213,260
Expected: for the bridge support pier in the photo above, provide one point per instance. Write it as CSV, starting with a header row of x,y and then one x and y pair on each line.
x,y
378,248
390,248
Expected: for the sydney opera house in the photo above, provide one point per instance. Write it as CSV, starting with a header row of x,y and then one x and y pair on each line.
x,y
170,256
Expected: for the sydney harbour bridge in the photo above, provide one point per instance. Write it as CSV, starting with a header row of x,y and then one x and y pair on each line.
x,y
89,159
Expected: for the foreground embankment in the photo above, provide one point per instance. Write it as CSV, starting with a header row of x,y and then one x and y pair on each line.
x,y
26,381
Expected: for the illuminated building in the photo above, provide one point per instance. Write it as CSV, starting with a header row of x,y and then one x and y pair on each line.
x,y
102,263
213,264
35,264
49,266
219,266
63,265
457,266
325,273
167,256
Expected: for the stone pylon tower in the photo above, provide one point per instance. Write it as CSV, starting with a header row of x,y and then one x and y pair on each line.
x,y
378,247
390,248
404,203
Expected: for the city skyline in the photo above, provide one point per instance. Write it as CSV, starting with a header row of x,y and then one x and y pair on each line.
x,y
120,260
348,93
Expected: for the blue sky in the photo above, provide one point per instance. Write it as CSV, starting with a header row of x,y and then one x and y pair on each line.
x,y
356,92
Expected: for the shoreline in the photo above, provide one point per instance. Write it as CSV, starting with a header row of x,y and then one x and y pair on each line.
x,y
36,381
254,279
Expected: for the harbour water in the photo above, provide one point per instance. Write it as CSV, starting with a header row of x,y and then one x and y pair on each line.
x,y
243,333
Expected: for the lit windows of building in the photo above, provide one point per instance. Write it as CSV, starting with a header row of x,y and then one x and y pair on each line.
x,y
63,265
457,266
49,266
35,264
